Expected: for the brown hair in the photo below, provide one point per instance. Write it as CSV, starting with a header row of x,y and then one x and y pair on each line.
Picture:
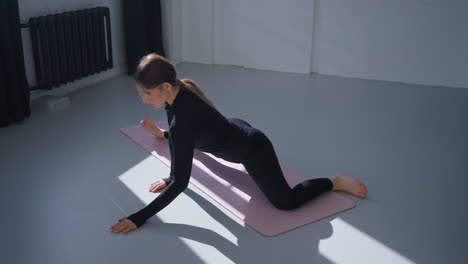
x,y
154,69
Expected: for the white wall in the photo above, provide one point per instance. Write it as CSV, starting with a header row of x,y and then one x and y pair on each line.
x,y
272,35
172,29
242,32
228,41
422,42
197,21
34,8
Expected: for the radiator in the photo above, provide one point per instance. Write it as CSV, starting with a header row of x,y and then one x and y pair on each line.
x,y
70,45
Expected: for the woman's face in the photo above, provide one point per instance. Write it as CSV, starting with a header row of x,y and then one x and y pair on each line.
x,y
155,97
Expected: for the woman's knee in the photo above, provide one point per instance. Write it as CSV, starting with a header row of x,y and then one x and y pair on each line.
x,y
285,204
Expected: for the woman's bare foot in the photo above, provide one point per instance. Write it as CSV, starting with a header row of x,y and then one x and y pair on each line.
x,y
151,127
157,186
350,185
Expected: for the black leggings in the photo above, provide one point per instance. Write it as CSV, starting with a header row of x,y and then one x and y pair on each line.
x,y
263,166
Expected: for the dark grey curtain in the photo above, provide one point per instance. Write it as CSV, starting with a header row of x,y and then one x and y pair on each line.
x,y
14,89
143,30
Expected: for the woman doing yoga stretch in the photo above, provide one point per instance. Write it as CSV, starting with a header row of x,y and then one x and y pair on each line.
x,y
194,123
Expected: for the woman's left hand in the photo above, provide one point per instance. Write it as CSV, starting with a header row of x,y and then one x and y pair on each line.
x,y
124,225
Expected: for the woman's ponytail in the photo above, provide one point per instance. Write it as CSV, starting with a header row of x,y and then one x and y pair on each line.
x,y
194,88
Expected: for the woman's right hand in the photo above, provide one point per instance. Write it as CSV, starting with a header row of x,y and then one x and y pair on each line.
x,y
151,126
157,186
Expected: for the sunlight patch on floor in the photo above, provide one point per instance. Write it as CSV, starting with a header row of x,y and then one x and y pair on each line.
x,y
138,179
350,245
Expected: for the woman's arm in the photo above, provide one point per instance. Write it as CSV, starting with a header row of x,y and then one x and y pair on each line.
x,y
181,139
171,175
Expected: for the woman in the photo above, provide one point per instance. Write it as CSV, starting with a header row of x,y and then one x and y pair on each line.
x,y
194,123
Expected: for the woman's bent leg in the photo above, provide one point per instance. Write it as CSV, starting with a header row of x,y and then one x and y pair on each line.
x,y
263,166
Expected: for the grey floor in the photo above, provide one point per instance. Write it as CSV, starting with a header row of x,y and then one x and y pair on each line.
x,y
68,175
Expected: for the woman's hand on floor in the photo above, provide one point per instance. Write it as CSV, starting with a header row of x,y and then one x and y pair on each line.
x,y
157,186
124,225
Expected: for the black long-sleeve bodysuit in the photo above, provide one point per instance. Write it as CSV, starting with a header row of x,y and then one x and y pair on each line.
x,y
193,124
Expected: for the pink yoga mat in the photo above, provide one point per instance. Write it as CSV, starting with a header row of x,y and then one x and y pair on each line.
x,y
229,184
